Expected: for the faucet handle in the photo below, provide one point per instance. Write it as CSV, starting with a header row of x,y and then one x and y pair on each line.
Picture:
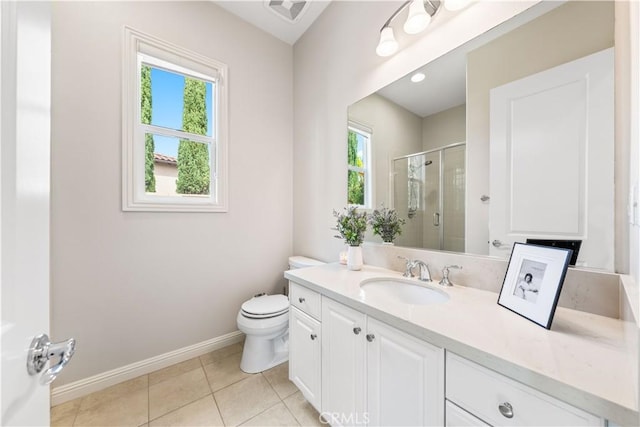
x,y
445,274
408,267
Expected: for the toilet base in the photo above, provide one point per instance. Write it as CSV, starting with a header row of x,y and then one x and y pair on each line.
x,y
261,354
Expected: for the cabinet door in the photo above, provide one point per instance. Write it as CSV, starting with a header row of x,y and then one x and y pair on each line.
x,y
405,378
343,364
304,355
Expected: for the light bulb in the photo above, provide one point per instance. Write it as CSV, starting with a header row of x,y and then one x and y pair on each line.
x,y
418,18
454,5
417,77
387,45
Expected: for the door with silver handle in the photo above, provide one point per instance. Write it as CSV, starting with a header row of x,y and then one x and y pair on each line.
x,y
42,350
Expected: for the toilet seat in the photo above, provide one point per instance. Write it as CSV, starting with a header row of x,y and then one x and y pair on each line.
x,y
265,307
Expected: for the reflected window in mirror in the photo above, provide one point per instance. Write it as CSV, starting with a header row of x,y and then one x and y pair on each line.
x,y
359,180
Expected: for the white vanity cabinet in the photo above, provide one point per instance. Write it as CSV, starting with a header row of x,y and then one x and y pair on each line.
x,y
373,373
305,336
500,401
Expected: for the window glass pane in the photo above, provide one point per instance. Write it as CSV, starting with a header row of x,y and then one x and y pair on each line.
x,y
355,188
356,146
175,167
177,102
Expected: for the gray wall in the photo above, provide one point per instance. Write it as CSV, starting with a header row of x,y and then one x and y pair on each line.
x,y
444,128
129,286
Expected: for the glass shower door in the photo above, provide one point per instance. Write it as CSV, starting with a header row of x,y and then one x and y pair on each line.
x,y
429,193
453,205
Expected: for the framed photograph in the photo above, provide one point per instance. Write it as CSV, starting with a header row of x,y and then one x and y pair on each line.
x,y
533,281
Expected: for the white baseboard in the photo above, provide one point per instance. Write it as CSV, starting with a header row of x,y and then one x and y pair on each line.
x,y
80,388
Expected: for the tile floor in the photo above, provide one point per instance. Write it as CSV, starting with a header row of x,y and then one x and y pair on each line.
x,y
209,390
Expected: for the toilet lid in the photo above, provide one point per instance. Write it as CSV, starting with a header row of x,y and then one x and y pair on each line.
x,y
266,305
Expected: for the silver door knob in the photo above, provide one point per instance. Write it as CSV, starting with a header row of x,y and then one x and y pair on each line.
x,y
506,410
370,337
496,243
357,330
42,350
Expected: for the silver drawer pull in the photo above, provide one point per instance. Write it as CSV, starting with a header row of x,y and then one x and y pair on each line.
x,y
357,330
370,337
313,337
506,410
301,300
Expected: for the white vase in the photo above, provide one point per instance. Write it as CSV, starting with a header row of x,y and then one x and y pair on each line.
x,y
354,258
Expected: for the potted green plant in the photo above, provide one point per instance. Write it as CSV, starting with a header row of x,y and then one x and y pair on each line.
x,y
386,224
352,225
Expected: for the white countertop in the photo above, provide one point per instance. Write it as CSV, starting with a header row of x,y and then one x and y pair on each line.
x,y
583,360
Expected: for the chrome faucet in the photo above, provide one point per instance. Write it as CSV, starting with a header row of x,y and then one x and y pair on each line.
x,y
425,274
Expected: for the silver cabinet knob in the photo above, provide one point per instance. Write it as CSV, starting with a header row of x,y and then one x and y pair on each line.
x,y
357,330
301,300
313,337
370,337
506,410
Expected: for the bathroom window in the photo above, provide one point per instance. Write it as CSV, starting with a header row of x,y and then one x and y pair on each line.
x,y
359,166
174,128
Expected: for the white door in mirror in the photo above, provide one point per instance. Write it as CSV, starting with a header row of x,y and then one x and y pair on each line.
x,y
552,162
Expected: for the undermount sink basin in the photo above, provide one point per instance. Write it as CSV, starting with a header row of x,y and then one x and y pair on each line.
x,y
402,291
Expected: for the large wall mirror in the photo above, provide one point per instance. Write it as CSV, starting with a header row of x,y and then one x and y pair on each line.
x,y
507,138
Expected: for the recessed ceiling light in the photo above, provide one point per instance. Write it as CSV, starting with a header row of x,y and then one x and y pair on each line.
x,y
417,77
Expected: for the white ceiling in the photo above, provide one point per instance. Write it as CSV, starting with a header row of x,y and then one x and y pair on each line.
x,y
258,13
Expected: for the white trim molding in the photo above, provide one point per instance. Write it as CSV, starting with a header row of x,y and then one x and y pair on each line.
x,y
76,389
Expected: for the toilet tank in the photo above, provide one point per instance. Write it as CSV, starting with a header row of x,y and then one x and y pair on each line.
x,y
296,262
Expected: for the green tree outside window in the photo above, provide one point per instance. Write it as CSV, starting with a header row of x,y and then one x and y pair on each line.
x,y
355,179
145,101
193,157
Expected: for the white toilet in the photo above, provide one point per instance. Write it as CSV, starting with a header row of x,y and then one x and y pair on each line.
x,y
264,320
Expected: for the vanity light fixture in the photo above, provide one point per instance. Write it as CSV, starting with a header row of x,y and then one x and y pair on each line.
x,y
418,19
417,77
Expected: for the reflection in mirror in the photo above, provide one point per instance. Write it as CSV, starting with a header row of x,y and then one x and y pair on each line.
x,y
444,190
428,190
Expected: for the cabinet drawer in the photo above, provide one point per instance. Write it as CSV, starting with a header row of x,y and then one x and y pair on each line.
x,y
492,397
305,299
458,417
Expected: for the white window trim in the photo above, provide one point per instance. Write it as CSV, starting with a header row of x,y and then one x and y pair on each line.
x,y
368,175
158,52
